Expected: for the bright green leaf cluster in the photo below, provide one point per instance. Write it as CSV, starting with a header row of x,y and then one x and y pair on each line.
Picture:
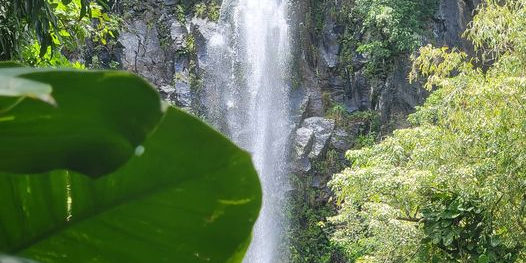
x,y
210,10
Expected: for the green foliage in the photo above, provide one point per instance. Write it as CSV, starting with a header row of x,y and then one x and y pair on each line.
x,y
214,11
368,123
158,159
450,189
190,44
54,26
4,258
370,117
72,31
28,152
365,140
329,165
71,34
338,113
15,15
459,229
180,12
309,234
317,17
14,86
309,208
310,242
31,56
389,28
210,10
200,10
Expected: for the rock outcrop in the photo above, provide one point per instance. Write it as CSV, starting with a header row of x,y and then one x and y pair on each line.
x,y
143,53
311,142
166,51
451,20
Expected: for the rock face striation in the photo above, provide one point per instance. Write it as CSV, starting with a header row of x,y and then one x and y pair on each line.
x,y
165,48
311,141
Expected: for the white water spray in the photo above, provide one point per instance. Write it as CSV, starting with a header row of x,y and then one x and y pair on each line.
x,y
247,98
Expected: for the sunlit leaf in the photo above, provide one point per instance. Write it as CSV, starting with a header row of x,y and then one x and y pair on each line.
x,y
83,130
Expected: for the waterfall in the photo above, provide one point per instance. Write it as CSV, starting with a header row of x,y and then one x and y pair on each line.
x,y
247,98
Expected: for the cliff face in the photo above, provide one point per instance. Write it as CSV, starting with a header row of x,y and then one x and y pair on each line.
x,y
164,42
391,95
168,48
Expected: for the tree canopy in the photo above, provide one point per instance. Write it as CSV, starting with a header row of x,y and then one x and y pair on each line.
x,y
453,187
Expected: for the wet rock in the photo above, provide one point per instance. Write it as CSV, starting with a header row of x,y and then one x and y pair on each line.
x,y
183,93
202,30
303,142
167,89
204,27
358,61
392,94
317,182
341,140
323,129
330,46
337,82
142,53
303,165
358,93
178,33
311,141
299,100
397,97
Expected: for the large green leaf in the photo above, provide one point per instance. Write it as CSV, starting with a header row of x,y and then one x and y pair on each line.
x,y
191,197
187,195
98,120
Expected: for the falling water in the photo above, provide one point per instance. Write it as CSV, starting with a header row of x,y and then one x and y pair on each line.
x,y
247,98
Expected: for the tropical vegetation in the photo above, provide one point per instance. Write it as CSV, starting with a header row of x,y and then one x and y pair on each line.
x,y
452,187
54,32
90,175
